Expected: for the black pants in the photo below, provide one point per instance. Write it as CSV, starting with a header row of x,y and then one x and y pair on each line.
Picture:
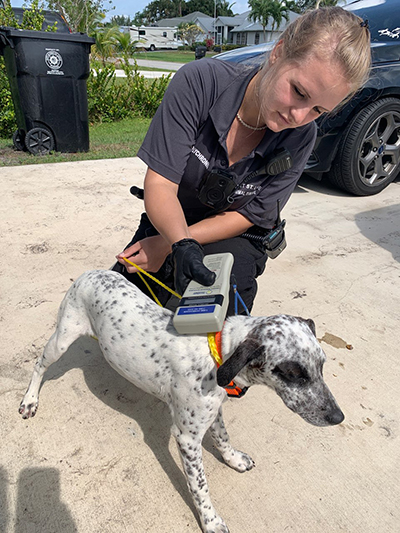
x,y
249,263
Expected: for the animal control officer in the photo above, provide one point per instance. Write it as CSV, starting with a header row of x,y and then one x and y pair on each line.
x,y
222,117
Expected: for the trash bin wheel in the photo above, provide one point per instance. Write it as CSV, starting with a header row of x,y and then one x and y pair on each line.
x,y
18,141
39,141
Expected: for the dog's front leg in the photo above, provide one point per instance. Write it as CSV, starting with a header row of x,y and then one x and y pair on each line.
x,y
191,455
240,461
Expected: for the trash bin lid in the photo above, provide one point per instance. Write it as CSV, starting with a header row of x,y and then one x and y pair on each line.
x,y
47,35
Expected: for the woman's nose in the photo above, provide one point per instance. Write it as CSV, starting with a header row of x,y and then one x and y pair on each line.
x,y
299,115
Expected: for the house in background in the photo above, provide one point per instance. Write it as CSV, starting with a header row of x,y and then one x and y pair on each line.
x,y
248,32
233,30
205,22
224,26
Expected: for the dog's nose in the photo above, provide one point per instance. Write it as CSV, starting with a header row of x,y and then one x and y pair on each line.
x,y
335,417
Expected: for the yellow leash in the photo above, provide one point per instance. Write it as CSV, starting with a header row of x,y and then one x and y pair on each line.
x,y
210,336
141,271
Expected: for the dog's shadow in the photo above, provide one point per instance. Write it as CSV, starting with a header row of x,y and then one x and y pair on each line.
x,y
151,414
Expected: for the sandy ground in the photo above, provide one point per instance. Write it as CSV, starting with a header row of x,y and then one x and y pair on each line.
x,y
98,457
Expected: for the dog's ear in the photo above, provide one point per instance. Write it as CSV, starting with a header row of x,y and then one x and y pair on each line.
x,y
246,351
310,323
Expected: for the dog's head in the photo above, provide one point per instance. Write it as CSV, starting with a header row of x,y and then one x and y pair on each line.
x,y
283,353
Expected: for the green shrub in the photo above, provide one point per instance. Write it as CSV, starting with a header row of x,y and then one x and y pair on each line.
x,y
226,47
110,98
196,44
7,116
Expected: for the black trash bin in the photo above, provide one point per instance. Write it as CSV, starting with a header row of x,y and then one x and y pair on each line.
x,y
200,51
47,73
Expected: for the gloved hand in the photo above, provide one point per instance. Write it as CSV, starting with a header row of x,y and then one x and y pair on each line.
x,y
187,255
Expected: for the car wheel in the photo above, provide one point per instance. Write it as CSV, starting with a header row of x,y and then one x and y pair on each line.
x,y
152,48
39,141
368,157
18,141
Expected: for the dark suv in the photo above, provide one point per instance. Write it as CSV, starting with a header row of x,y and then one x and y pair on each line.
x,y
358,149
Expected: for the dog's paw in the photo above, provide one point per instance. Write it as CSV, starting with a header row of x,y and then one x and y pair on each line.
x,y
239,461
217,526
28,408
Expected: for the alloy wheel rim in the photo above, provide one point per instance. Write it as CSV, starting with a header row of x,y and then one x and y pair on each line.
x,y
379,155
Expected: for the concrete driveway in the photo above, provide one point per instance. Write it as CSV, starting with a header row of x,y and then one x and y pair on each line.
x,y
98,457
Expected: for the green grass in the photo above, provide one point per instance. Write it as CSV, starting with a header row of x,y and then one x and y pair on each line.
x,y
174,56
107,141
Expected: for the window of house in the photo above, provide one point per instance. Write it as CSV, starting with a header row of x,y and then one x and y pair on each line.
x,y
241,38
257,38
164,33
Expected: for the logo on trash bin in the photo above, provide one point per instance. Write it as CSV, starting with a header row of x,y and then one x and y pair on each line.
x,y
54,61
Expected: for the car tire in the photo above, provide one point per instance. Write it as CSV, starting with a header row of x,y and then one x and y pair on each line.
x,y
368,157
152,48
39,141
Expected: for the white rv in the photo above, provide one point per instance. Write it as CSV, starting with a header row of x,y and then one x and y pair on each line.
x,y
153,37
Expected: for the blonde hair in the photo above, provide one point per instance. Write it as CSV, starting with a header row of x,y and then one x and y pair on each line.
x,y
331,33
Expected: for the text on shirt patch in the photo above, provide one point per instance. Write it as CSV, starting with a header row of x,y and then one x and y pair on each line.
x,y
247,190
200,157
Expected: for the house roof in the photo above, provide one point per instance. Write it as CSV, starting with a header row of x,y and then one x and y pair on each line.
x,y
236,20
248,25
205,23
191,17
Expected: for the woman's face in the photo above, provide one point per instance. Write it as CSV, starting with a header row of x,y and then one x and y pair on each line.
x,y
292,95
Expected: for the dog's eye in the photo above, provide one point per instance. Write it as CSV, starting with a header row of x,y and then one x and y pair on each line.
x,y
291,372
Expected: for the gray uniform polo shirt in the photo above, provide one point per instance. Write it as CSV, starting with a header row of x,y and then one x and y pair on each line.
x,y
187,137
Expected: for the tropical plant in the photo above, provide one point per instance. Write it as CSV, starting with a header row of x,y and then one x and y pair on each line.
x,y
81,15
321,3
224,8
106,41
278,13
110,99
124,45
189,32
304,5
261,11
121,20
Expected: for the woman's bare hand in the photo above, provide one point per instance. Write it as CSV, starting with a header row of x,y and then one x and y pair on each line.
x,y
149,254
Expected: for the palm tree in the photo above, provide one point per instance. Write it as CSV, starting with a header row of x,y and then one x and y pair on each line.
x,y
224,8
261,11
326,3
106,42
125,45
278,12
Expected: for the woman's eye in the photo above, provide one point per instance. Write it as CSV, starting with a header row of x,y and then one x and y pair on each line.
x,y
318,110
298,92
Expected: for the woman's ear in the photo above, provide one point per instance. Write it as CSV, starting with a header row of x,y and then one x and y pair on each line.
x,y
277,52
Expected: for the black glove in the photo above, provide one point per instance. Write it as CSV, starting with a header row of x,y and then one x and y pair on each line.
x,y
187,256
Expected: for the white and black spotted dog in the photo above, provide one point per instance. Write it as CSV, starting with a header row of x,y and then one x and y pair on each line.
x,y
139,341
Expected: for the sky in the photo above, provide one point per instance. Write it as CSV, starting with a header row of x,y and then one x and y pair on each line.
x,y
131,7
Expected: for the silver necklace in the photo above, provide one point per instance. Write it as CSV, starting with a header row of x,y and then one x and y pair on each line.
x,y
253,128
